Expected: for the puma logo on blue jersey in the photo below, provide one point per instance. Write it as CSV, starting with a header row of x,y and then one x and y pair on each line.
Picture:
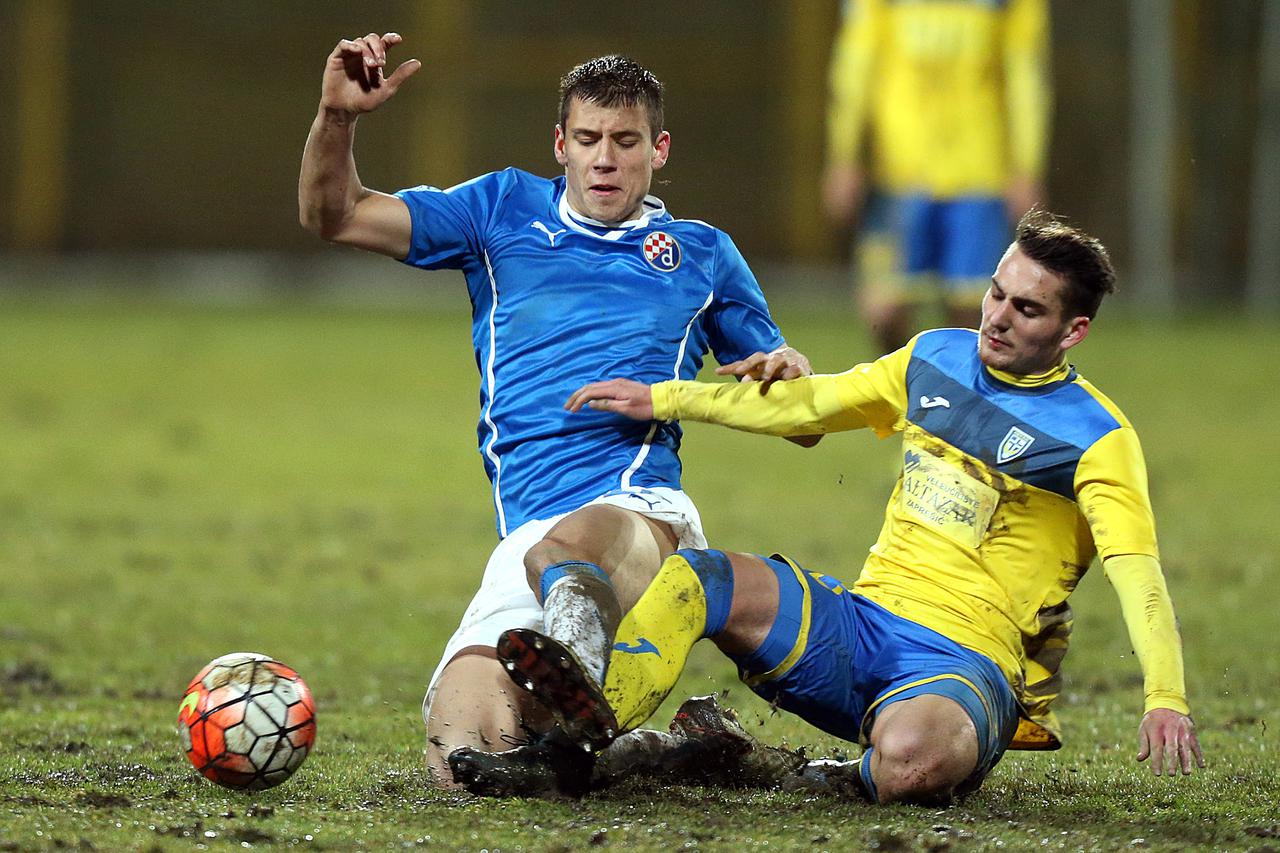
x,y
643,646
551,236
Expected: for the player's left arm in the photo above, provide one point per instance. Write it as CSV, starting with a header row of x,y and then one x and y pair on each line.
x,y
868,395
1167,734
1111,486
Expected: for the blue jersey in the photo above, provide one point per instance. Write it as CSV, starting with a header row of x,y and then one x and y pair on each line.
x,y
559,301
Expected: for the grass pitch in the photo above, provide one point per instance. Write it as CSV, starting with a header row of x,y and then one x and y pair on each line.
x,y
177,482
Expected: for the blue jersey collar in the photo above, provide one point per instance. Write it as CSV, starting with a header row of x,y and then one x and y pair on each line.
x,y
650,209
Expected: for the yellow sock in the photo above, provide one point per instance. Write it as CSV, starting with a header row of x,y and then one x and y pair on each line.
x,y
653,643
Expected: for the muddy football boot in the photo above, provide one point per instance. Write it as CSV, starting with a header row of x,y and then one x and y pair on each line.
x,y
827,776
743,762
550,767
703,715
554,676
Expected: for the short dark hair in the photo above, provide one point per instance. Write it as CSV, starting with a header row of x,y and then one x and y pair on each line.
x,y
613,81
1080,259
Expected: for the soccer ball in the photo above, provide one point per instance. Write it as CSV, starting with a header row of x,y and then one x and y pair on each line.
x,y
247,721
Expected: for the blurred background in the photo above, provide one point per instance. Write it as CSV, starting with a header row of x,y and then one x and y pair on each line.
x,y
149,142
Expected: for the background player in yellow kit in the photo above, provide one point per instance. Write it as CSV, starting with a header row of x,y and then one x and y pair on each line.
x,y
1017,472
950,100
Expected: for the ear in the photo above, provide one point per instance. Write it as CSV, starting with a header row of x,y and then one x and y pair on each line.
x,y
1077,331
661,150
558,146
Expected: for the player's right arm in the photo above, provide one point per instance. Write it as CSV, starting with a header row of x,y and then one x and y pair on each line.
x,y
331,200
869,395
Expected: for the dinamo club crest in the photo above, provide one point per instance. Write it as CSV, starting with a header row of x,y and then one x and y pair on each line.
x,y
1013,445
662,251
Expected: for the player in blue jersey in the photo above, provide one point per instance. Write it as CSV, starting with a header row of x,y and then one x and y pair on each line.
x,y
571,280
944,652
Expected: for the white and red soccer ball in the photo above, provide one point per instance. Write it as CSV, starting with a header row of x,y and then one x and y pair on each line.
x,y
247,721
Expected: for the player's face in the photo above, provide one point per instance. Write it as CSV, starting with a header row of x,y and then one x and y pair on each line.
x,y
609,155
1026,328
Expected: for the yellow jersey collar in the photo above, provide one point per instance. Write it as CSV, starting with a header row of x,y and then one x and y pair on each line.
x,y
1060,371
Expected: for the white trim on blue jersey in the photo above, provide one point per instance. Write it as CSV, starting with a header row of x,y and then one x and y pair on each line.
x,y
652,207
488,412
653,428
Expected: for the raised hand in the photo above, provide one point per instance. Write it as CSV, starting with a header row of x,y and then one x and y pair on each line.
x,y
354,80
621,396
1169,739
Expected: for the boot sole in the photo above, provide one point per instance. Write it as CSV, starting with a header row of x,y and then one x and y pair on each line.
x,y
553,675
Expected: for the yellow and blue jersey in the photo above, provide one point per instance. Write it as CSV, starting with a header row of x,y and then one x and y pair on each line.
x,y
559,301
953,94
1010,487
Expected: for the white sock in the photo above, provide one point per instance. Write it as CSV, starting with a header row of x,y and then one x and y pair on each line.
x,y
581,611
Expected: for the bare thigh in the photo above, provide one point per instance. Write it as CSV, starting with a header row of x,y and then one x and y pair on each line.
x,y
629,546
754,607
476,704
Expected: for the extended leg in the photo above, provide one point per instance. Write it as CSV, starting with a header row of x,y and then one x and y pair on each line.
x,y
730,597
588,567
693,595
593,565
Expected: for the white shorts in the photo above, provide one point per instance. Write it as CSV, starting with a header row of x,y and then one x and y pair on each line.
x,y
505,600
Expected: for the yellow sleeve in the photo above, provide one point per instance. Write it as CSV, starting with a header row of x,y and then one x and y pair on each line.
x,y
1153,629
1028,100
850,80
1111,489
869,395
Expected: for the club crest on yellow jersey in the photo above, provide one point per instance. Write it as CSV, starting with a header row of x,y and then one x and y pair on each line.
x,y
1013,445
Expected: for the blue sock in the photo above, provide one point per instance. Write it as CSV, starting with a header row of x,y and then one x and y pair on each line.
x,y
715,573
565,568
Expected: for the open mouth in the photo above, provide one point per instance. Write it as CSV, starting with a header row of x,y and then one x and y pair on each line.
x,y
604,189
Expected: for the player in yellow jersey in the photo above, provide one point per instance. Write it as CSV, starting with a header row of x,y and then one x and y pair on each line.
x,y
1017,472
947,103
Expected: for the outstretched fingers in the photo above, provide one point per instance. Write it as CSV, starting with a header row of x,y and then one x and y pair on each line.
x,y
747,369
622,396
783,363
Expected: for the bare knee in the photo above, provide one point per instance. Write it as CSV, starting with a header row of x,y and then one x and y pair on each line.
x,y
474,703
585,534
626,545
923,759
544,553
